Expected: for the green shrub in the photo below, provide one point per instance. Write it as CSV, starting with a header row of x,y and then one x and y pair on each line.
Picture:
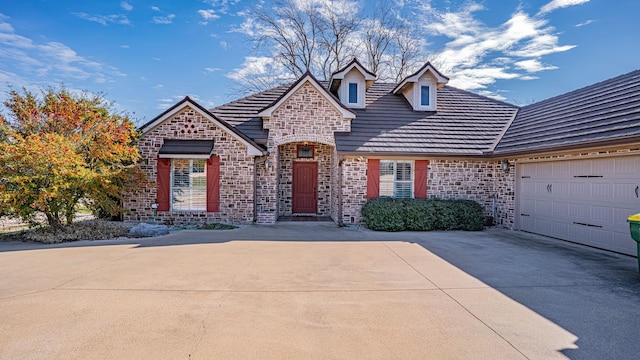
x,y
384,214
469,215
420,215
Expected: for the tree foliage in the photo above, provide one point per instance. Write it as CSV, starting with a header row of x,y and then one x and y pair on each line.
x,y
60,149
321,36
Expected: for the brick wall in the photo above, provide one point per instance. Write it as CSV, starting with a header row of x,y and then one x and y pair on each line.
x,y
236,172
305,116
323,156
354,189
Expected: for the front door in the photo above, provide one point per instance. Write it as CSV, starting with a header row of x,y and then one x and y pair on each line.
x,y
305,187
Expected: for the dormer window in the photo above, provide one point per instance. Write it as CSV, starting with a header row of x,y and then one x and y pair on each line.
x,y
420,88
353,93
424,96
350,84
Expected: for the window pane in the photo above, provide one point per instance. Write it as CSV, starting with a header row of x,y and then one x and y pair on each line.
x,y
404,171
353,93
424,96
402,190
189,184
396,178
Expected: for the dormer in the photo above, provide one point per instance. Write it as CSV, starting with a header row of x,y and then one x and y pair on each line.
x,y
350,84
420,88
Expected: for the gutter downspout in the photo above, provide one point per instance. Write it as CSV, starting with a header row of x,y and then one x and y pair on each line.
x,y
340,161
256,161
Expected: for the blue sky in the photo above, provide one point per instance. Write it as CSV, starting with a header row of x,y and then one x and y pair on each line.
x,y
147,55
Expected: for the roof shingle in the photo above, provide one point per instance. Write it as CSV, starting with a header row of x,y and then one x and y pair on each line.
x,y
604,112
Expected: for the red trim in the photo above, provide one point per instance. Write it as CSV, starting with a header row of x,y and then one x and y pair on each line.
x,y
420,179
163,197
373,178
213,184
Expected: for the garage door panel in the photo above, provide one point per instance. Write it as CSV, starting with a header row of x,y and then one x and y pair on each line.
x,y
629,166
560,229
602,190
560,209
579,190
543,207
588,200
561,170
602,166
626,192
600,215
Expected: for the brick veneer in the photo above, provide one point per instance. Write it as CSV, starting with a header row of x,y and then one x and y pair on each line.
x,y
306,115
323,156
236,172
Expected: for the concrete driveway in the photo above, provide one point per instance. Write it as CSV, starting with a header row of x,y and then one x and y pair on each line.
x,y
316,291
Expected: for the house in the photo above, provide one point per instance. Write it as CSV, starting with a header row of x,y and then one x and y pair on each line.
x,y
567,167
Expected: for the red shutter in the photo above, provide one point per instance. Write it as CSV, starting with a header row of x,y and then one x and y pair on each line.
x,y
164,184
420,179
213,184
373,178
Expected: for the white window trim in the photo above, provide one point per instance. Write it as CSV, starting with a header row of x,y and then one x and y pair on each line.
x,y
172,187
349,93
425,81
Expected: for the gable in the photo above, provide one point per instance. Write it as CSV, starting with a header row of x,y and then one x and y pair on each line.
x,y
420,88
252,148
307,79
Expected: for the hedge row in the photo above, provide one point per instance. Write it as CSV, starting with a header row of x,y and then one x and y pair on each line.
x,y
387,214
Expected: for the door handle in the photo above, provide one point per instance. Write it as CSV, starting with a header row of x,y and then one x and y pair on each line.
x,y
637,190
550,188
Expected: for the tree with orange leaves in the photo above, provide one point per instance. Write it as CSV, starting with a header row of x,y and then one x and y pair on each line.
x,y
61,149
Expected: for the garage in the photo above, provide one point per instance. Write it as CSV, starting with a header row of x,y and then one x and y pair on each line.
x,y
584,201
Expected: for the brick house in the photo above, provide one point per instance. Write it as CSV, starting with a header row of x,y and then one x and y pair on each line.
x,y
567,167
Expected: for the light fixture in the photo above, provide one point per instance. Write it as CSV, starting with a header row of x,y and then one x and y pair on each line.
x,y
505,165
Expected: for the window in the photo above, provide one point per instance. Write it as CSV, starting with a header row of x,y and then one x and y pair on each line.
x,y
305,151
188,184
396,178
353,93
424,96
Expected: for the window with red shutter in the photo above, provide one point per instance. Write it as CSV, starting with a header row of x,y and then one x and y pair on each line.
x,y
213,184
164,184
373,178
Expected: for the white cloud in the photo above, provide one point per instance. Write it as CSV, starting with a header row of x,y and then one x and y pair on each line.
x,y
558,4
224,44
125,46
155,8
208,15
533,65
585,23
104,19
126,6
477,55
46,63
163,20
211,69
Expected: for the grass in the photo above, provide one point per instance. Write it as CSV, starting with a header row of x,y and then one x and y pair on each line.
x,y
217,226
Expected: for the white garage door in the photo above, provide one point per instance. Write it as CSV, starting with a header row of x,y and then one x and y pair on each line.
x,y
584,201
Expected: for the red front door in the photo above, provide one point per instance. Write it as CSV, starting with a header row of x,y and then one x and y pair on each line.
x,y
305,187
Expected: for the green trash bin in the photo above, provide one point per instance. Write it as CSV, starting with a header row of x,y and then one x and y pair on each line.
x,y
634,226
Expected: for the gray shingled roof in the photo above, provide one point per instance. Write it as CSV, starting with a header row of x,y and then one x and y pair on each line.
x,y
186,147
465,124
605,112
242,113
